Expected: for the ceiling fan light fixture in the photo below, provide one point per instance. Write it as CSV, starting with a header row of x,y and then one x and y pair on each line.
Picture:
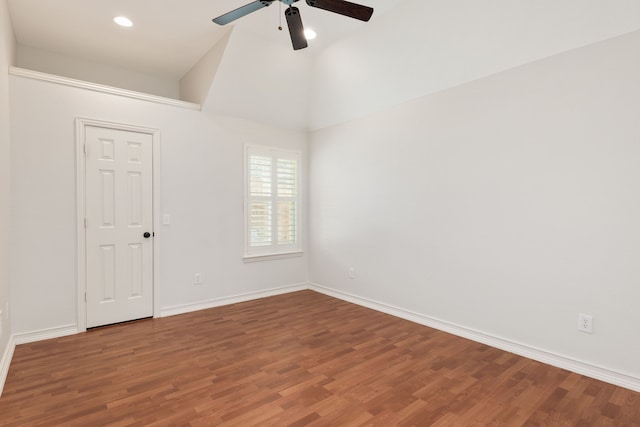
x,y
123,21
309,34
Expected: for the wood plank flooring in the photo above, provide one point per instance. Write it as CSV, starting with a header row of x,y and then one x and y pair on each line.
x,y
300,359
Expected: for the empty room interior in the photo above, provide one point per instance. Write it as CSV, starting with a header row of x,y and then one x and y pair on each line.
x,y
426,213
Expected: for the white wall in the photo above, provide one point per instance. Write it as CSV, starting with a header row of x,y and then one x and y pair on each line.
x,y
201,185
80,69
7,57
262,81
424,46
242,76
507,205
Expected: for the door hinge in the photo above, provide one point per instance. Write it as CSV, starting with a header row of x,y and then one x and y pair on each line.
x,y
85,297
86,149
86,222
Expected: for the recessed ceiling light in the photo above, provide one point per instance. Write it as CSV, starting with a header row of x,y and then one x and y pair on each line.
x,y
309,34
123,21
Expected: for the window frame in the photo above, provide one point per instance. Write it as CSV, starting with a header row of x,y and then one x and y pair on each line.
x,y
272,251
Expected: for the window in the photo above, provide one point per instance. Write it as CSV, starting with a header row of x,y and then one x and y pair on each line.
x,y
272,202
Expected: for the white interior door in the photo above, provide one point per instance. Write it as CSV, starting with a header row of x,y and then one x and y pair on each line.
x,y
119,225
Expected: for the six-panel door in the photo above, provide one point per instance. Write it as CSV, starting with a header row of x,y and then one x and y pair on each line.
x,y
118,214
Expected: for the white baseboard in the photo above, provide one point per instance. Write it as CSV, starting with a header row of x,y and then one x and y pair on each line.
x,y
45,334
28,337
203,305
5,362
570,364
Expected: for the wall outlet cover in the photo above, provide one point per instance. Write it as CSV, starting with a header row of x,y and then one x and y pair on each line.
x,y
585,323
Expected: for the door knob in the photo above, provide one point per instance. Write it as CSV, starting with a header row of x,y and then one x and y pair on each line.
x,y
146,234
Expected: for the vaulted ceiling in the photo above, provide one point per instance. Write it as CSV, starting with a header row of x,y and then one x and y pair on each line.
x,y
409,49
168,36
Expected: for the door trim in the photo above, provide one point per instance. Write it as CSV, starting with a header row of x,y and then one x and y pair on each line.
x,y
81,278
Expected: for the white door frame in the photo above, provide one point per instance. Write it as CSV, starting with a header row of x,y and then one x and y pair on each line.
x,y
81,124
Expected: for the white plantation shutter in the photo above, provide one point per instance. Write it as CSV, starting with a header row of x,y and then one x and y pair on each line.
x,y
272,201
287,200
260,206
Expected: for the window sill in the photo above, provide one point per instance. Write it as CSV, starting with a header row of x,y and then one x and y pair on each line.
x,y
269,257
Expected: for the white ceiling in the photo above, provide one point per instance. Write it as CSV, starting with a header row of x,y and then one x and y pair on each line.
x,y
168,36
409,49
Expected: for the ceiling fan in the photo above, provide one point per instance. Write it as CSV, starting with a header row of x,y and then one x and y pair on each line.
x,y
292,14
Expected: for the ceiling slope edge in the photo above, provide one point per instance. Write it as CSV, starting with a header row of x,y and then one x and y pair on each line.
x,y
195,85
261,81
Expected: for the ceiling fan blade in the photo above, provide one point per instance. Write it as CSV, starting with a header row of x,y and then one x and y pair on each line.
x,y
241,11
343,7
296,30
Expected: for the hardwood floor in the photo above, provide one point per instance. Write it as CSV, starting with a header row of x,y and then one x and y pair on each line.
x,y
301,359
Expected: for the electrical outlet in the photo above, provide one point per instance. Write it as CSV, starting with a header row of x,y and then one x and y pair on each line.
x,y
198,279
351,273
585,323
